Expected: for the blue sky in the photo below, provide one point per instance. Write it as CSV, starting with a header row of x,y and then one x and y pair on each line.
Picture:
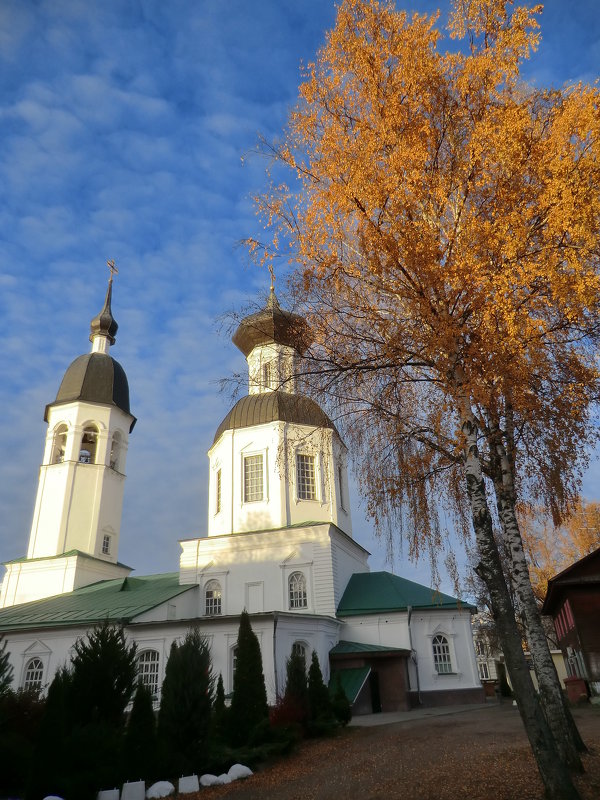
x,y
125,130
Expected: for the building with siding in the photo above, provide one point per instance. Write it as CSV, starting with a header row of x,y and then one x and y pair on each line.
x,y
278,543
573,602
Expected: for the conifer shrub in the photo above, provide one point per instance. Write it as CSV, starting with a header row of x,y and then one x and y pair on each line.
x,y
340,703
249,700
184,717
140,745
321,719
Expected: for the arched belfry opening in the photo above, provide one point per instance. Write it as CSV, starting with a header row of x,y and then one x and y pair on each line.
x,y
89,445
59,444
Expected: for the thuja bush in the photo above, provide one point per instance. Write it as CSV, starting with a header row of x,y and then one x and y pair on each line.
x,y
249,700
184,717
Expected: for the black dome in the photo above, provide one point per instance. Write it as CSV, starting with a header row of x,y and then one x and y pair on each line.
x,y
95,378
258,409
272,324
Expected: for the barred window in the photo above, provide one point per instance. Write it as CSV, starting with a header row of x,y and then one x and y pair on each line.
x,y
213,598
441,655
266,375
147,670
305,477
299,649
218,491
34,673
106,545
253,478
484,672
297,590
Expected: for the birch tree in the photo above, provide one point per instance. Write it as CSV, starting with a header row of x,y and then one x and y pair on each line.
x,y
444,225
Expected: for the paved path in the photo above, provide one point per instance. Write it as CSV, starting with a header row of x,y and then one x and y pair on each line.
x,y
370,720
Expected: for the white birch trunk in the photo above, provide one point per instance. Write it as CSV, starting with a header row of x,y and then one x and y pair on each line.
x,y
558,715
555,775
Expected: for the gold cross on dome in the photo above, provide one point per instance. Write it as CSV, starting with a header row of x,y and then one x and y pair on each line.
x,y
272,271
113,269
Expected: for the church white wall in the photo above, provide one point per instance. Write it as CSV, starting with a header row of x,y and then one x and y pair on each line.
x,y
78,504
254,569
277,443
28,580
391,630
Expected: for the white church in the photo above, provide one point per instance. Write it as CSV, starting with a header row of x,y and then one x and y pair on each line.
x,y
278,543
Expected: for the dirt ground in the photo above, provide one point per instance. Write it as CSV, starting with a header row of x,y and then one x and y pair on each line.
x,y
476,755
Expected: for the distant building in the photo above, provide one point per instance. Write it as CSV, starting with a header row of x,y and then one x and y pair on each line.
x,y
279,543
573,602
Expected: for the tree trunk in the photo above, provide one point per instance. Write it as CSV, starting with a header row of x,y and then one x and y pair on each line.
x,y
554,773
557,713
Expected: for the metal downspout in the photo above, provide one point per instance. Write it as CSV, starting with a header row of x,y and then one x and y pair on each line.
x,y
413,655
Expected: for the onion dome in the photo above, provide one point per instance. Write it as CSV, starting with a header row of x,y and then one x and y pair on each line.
x,y
272,324
95,378
262,408
104,324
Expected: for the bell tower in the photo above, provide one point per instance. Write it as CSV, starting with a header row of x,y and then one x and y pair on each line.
x,y
74,537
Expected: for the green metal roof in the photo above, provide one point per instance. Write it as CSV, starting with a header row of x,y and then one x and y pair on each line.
x,y
352,681
66,554
350,648
381,592
120,600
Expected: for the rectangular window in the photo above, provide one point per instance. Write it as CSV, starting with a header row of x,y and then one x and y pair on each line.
x,y
341,485
253,479
305,477
266,375
484,673
218,498
106,545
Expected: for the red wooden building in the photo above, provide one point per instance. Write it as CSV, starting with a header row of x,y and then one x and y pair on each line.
x,y
573,602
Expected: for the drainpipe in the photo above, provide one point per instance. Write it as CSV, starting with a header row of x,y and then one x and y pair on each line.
x,y
413,655
275,620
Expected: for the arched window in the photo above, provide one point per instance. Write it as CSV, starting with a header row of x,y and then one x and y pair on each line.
x,y
59,444
89,445
233,654
299,649
115,451
147,670
212,598
441,655
34,673
297,590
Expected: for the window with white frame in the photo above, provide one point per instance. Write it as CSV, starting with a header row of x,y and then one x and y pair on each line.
x,y
479,647
341,486
484,672
441,655
212,599
297,590
253,478
34,674
233,654
306,479
106,545
218,492
299,649
148,662
266,375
